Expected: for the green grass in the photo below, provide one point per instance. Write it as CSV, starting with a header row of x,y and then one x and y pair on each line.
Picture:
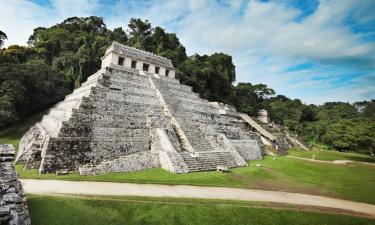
x,y
330,155
314,144
48,210
354,182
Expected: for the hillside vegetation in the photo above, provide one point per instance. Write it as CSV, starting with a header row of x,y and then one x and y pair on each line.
x,y
61,57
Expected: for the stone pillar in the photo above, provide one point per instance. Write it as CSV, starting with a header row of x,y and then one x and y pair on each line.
x,y
128,62
151,68
13,208
139,66
162,71
172,74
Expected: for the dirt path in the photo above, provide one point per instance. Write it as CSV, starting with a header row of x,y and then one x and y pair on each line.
x,y
32,186
337,162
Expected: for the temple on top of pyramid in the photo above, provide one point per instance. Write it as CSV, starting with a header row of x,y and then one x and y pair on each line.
x,y
133,114
144,62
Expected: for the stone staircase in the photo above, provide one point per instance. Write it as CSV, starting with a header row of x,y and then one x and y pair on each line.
x,y
202,124
205,161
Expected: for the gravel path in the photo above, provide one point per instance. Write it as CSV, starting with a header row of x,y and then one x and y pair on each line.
x,y
339,162
32,186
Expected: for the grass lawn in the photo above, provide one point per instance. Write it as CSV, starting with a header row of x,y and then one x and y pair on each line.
x,y
330,155
354,182
132,210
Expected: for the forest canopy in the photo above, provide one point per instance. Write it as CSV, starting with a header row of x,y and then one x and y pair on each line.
x,y
59,58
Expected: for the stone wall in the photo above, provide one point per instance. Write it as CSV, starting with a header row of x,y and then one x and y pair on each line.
x,y
13,208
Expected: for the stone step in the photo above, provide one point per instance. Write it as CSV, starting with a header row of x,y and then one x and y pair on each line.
x,y
127,73
125,76
68,104
124,124
249,149
114,86
94,76
62,114
204,161
121,99
175,86
141,82
93,79
201,108
168,79
97,150
83,88
131,111
109,106
84,92
178,90
102,132
91,82
188,100
195,136
107,150
108,92
192,107
191,95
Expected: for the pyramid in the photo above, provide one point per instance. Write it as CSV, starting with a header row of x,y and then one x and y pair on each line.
x,y
133,114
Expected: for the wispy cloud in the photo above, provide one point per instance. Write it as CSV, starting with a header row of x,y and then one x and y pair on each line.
x,y
314,50
70,8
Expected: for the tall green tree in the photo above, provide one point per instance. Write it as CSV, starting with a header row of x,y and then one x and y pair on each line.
x,y
3,37
168,45
210,76
249,98
140,34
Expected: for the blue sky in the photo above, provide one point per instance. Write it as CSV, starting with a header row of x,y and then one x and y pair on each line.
x,y
316,51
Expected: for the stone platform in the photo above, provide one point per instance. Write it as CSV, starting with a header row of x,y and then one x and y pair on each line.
x,y
123,119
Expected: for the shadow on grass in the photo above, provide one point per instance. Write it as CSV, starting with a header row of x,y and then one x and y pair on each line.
x,y
361,159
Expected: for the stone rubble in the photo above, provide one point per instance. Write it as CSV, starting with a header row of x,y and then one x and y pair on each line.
x,y
13,208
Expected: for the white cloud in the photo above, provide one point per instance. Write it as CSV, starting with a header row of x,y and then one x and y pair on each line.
x,y
19,18
268,39
264,38
69,8
272,27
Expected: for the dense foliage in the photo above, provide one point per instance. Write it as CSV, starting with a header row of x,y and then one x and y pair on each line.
x,y
27,88
342,126
59,58
210,76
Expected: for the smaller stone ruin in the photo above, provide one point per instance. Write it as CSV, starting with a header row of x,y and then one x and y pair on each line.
x,y
13,208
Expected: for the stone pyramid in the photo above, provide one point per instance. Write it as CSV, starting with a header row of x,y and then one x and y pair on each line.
x,y
133,114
